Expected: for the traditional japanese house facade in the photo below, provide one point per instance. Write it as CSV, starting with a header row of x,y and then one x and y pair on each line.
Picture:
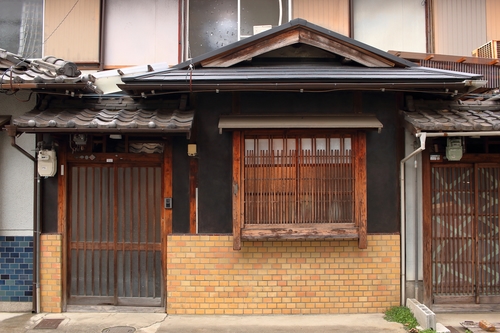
x,y
260,178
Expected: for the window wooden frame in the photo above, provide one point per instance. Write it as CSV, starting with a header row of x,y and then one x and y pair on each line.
x,y
300,231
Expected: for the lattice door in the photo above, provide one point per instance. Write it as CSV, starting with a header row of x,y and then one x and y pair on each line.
x,y
465,233
115,236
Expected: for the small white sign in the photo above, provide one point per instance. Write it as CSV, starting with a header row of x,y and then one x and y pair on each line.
x,y
109,160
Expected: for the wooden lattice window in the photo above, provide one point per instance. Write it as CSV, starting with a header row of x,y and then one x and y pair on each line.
x,y
299,185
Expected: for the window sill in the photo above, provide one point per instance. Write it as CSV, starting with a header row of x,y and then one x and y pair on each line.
x,y
318,231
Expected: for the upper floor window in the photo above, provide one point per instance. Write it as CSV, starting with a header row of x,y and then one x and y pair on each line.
x,y
214,24
21,26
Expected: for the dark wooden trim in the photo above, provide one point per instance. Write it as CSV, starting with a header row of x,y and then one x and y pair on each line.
x,y
467,299
122,158
237,191
360,190
166,219
193,185
62,207
426,227
120,301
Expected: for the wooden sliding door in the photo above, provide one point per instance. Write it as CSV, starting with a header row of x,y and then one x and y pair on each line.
x,y
114,235
465,233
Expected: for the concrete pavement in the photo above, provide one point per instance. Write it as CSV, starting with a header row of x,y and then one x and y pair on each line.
x,y
160,322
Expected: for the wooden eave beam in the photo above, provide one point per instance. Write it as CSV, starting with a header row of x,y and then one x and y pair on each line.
x,y
347,51
291,37
254,49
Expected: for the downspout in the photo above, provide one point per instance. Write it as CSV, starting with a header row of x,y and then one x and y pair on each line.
x,y
102,35
11,130
36,242
416,230
403,215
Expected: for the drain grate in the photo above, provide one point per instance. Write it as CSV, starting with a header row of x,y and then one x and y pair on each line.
x,y
48,324
119,329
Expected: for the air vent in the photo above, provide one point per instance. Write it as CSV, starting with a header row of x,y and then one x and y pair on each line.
x,y
488,50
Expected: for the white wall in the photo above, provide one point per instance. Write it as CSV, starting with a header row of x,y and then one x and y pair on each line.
x,y
141,32
16,173
390,24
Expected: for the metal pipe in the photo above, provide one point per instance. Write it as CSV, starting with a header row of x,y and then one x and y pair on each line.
x,y
416,230
102,36
24,152
181,86
422,137
180,33
36,242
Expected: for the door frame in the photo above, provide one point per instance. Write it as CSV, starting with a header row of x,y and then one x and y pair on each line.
x,y
427,226
65,157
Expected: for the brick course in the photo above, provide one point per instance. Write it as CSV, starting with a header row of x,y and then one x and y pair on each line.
x,y
205,276
50,273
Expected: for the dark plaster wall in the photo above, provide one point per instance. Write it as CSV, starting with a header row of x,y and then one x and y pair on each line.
x,y
215,164
215,157
180,185
215,150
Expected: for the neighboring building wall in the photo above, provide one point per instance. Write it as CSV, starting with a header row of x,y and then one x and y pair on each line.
x,y
206,276
16,212
329,14
390,24
151,27
459,26
492,22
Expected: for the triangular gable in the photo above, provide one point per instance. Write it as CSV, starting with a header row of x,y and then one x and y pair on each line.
x,y
297,31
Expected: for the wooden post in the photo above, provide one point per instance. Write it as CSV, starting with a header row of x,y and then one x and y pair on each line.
x,y
360,189
62,213
193,185
236,191
166,213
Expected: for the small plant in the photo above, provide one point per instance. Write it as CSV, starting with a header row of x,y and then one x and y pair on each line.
x,y
403,315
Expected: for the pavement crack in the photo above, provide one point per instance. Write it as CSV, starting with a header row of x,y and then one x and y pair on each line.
x,y
154,323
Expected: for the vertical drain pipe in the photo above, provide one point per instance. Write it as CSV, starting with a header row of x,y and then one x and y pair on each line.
x,y
36,234
403,214
416,229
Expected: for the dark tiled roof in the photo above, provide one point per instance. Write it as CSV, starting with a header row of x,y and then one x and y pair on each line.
x,y
455,117
47,70
106,119
110,115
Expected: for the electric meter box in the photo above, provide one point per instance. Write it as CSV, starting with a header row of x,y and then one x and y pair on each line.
x,y
47,163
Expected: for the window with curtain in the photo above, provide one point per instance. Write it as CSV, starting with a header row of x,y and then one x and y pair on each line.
x,y
21,24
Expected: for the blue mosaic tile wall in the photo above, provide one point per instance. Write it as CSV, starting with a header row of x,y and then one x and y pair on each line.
x,y
16,268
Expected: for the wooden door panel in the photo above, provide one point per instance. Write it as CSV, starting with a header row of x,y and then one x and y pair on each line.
x,y
115,235
465,237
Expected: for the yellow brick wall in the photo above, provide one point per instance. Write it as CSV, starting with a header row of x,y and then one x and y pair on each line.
x,y
50,273
206,276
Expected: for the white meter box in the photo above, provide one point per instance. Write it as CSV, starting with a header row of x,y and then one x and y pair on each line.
x,y
47,163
